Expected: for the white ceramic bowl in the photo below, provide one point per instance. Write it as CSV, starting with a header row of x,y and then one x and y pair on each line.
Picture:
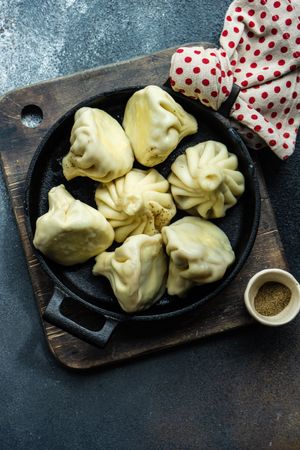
x,y
280,276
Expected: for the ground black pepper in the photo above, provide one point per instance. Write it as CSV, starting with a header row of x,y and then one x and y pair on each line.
x,y
271,298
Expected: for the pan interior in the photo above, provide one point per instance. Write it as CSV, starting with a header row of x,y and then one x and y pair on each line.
x,y
239,223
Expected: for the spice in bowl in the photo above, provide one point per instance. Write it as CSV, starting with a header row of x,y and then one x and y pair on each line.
x,y
272,298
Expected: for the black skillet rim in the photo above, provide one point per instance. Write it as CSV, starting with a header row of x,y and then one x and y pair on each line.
x,y
122,316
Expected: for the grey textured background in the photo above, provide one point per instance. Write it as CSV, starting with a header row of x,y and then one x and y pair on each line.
x,y
229,392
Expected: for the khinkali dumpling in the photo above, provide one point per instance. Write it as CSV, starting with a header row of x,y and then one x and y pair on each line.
x,y
199,252
155,124
138,203
136,270
71,232
205,180
99,149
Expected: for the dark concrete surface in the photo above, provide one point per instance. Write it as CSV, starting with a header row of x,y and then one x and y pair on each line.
x,y
238,391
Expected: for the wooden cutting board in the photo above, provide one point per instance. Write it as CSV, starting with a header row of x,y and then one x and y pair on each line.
x,y
17,145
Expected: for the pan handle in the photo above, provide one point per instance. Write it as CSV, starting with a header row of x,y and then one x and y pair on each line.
x,y
54,315
226,107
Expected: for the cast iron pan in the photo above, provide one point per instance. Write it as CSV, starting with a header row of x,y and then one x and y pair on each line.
x,y
77,283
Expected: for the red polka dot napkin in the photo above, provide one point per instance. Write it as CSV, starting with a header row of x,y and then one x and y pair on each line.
x,y
259,52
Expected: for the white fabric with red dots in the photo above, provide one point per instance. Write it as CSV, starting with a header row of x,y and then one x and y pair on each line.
x,y
260,45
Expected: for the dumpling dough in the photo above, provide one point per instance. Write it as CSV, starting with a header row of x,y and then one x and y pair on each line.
x,y
71,232
199,252
205,180
138,203
99,149
136,270
155,124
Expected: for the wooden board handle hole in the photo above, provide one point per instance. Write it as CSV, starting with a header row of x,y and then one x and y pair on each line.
x,y
31,116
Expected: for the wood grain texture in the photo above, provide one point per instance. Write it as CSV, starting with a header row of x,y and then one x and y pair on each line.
x,y
17,145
